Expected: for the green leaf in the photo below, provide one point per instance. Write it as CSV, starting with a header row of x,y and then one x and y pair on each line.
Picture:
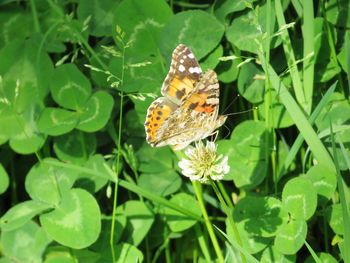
x,y
246,152
223,8
323,179
100,15
335,218
324,258
75,147
97,178
272,255
77,215
20,214
140,219
26,244
4,180
103,241
250,242
45,182
150,161
280,116
250,86
55,121
227,70
69,87
25,72
299,198
197,29
128,253
97,111
163,184
260,216
335,10
16,22
177,221
246,29
212,59
291,237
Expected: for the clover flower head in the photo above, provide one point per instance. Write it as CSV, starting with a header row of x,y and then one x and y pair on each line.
x,y
203,163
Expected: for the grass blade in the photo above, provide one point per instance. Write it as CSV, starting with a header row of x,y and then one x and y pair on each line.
x,y
309,58
312,252
345,212
344,204
300,139
304,126
288,50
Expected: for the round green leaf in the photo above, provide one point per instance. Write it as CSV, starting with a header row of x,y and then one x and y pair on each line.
x,y
57,121
260,216
324,258
227,70
323,179
279,114
299,198
128,253
75,147
247,154
224,7
272,255
45,182
69,87
247,30
334,215
250,86
199,30
178,221
4,179
103,240
150,161
212,59
98,177
291,237
26,244
77,215
124,253
140,219
251,243
100,15
96,112
162,184
20,214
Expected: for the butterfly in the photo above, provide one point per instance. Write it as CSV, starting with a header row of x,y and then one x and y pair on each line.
x,y
189,108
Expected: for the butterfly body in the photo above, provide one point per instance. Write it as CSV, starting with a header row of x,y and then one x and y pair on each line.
x,y
188,111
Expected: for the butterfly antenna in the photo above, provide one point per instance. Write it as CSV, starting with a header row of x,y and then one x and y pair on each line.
x,y
230,104
240,112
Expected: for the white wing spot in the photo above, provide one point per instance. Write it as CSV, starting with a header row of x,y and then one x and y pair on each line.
x,y
195,70
184,57
190,55
181,61
182,68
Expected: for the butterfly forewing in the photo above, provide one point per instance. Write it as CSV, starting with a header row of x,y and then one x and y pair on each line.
x,y
184,73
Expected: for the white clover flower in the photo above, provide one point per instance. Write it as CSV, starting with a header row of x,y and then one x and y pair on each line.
x,y
203,163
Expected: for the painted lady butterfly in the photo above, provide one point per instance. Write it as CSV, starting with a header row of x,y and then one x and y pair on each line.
x,y
188,111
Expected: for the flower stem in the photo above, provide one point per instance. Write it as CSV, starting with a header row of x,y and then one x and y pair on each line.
x,y
198,191
229,216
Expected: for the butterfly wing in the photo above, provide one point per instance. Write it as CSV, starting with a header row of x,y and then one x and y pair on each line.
x,y
157,114
197,117
183,75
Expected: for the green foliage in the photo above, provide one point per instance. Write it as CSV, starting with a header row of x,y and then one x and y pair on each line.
x,y
78,181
